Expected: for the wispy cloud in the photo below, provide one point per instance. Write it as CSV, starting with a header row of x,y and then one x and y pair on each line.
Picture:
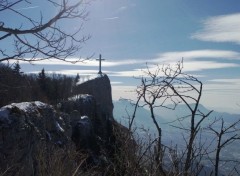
x,y
122,8
224,28
71,72
192,62
27,8
189,66
111,18
206,65
228,81
116,82
198,54
115,15
89,63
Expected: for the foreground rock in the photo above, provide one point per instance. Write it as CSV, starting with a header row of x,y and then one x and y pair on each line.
x,y
29,134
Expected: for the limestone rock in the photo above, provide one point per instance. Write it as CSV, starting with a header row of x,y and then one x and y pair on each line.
x,y
100,89
83,135
27,130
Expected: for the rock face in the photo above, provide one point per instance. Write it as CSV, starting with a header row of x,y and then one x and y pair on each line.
x,y
100,89
27,130
94,99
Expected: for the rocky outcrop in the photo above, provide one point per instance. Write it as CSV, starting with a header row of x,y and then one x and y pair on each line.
x,y
29,131
100,89
94,99
32,133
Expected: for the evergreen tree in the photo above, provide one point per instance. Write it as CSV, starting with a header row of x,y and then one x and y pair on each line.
x,y
76,79
16,68
42,80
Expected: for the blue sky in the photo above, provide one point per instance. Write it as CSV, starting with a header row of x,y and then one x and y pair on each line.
x,y
129,33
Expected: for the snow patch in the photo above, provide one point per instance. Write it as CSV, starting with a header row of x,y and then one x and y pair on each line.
x,y
59,128
24,106
40,104
84,79
84,117
85,97
27,106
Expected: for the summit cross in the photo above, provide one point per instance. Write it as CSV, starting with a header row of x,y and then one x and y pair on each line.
x,y
100,64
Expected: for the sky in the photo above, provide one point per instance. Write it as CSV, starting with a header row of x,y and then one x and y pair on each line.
x,y
130,33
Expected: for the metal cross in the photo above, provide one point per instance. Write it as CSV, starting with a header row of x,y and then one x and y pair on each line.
x,y
100,64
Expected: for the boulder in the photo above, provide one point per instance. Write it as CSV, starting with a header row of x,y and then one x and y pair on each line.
x,y
83,135
29,132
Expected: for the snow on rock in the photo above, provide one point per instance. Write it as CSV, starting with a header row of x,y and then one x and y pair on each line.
x,y
59,128
26,127
84,117
26,107
83,135
84,79
86,98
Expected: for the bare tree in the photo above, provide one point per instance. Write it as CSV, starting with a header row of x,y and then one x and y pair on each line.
x,y
168,84
225,135
39,38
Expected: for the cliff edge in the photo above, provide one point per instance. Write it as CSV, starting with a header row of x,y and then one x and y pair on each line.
x,y
100,89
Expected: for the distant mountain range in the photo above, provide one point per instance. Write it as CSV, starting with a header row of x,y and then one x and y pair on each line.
x,y
123,108
166,118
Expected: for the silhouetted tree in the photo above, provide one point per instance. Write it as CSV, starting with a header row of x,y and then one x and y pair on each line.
x,y
168,84
14,87
42,80
16,67
34,39
225,135
76,78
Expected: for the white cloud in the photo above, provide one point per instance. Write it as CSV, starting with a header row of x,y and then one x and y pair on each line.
x,y
188,66
206,65
116,82
228,81
224,28
128,73
88,63
111,18
27,8
197,54
192,62
72,72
